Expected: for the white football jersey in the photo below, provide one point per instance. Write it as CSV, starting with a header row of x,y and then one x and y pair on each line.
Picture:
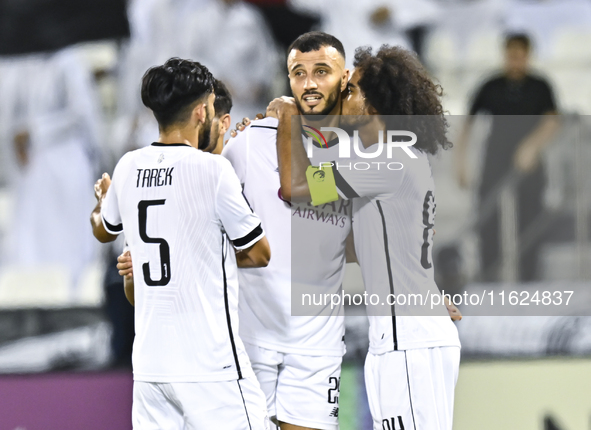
x,y
178,206
393,219
315,238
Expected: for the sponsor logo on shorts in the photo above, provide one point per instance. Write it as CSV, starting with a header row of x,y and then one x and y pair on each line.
x,y
335,412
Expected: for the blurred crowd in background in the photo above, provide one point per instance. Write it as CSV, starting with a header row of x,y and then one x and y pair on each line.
x,y
68,114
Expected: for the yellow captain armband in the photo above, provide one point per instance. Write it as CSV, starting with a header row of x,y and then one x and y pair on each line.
x,y
322,185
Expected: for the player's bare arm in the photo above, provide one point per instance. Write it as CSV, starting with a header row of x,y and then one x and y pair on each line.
x,y
292,161
98,229
257,255
452,310
350,254
125,267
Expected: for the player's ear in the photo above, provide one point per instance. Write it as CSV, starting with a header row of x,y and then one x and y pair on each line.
x,y
199,113
345,79
225,122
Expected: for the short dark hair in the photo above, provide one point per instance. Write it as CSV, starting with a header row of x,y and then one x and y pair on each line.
x,y
171,89
223,99
519,38
394,82
314,40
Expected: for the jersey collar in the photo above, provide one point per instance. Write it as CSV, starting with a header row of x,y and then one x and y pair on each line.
x,y
170,144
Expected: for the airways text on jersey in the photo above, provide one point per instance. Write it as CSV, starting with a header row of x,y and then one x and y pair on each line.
x,y
333,213
154,177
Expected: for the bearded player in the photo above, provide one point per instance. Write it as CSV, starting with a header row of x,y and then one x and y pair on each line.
x,y
297,359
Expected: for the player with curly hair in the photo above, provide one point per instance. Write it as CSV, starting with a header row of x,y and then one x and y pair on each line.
x,y
414,353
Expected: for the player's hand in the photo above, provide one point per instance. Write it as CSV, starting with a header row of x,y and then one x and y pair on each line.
x,y
282,106
241,125
101,186
526,158
452,310
124,265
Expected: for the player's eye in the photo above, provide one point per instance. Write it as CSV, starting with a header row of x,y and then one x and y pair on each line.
x,y
322,72
299,73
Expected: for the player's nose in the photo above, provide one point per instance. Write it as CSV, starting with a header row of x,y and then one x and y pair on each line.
x,y
310,83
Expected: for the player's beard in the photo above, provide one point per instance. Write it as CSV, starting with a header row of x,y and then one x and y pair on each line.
x,y
331,101
214,137
205,133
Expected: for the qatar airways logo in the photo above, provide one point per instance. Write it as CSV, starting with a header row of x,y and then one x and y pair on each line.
x,y
392,141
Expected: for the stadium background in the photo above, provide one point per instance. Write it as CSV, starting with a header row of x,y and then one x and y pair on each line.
x,y
65,334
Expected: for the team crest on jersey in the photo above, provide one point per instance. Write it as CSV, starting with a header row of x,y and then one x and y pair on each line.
x,y
161,158
319,176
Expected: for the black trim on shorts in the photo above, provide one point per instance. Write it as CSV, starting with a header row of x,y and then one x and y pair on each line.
x,y
256,232
227,306
342,184
263,126
391,281
244,403
412,411
114,228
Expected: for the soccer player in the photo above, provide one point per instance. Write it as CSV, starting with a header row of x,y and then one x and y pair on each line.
x,y
221,123
179,208
297,359
222,120
413,359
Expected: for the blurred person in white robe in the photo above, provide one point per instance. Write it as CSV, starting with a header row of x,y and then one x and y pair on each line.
x,y
53,127
149,20
369,22
232,39
158,31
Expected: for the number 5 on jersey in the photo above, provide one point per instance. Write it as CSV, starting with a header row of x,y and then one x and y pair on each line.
x,y
164,248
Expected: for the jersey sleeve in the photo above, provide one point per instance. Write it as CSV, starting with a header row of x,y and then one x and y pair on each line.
x,y
241,224
236,153
110,214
